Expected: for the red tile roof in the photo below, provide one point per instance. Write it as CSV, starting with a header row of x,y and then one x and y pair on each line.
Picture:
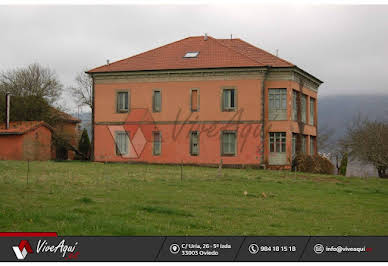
x,y
213,53
21,127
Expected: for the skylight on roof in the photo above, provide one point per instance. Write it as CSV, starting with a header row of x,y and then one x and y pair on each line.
x,y
191,54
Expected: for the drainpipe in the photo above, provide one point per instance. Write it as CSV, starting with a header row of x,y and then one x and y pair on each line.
x,y
262,135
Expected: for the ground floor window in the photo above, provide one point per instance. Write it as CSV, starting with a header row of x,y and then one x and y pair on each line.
x,y
312,145
194,143
277,141
157,143
304,144
228,143
121,140
293,144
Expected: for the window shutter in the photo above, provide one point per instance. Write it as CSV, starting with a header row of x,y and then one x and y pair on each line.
x,y
157,101
235,98
118,103
223,100
232,143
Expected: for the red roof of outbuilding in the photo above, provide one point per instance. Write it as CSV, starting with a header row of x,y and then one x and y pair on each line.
x,y
213,53
21,127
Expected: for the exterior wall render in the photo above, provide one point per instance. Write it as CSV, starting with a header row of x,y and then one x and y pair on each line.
x,y
176,108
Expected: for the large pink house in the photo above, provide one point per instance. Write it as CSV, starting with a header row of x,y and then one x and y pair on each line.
x,y
201,100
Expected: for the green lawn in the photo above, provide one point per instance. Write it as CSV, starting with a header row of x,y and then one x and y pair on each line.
x,y
82,198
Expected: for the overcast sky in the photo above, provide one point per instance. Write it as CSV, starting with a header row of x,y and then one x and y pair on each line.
x,y
345,46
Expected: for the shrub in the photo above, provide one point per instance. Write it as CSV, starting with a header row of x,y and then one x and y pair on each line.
x,y
84,144
312,164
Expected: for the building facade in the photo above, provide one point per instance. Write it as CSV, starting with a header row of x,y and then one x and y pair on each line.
x,y
25,140
203,101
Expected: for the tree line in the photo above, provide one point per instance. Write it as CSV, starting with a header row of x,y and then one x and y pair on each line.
x,y
36,91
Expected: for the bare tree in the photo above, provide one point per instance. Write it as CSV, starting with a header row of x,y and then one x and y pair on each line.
x,y
33,80
368,141
82,92
325,138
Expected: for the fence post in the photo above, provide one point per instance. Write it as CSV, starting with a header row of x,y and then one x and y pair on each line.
x,y
181,170
28,170
220,168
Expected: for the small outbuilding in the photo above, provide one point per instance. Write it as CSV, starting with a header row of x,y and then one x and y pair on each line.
x,y
25,140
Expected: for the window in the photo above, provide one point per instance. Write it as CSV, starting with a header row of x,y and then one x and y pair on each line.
x,y
157,101
194,143
312,111
303,103
277,104
122,101
277,141
294,106
229,99
157,143
121,141
312,145
303,147
293,144
194,100
228,143
304,106
191,55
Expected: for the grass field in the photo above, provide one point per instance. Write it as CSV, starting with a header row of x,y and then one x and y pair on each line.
x,y
76,198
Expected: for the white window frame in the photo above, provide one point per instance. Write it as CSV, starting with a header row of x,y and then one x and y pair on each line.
x,y
226,101
156,152
194,142
122,148
122,102
277,104
226,140
155,101
277,142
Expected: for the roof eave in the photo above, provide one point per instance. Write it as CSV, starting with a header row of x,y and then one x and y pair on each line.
x,y
174,69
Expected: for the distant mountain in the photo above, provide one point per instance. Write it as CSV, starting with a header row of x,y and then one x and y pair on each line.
x,y
337,112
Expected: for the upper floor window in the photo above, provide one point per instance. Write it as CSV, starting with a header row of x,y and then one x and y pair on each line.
x,y
194,143
303,106
277,104
157,143
277,141
121,141
312,111
157,101
294,106
228,143
229,99
122,103
194,100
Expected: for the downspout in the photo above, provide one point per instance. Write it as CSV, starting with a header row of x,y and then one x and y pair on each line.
x,y
262,164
